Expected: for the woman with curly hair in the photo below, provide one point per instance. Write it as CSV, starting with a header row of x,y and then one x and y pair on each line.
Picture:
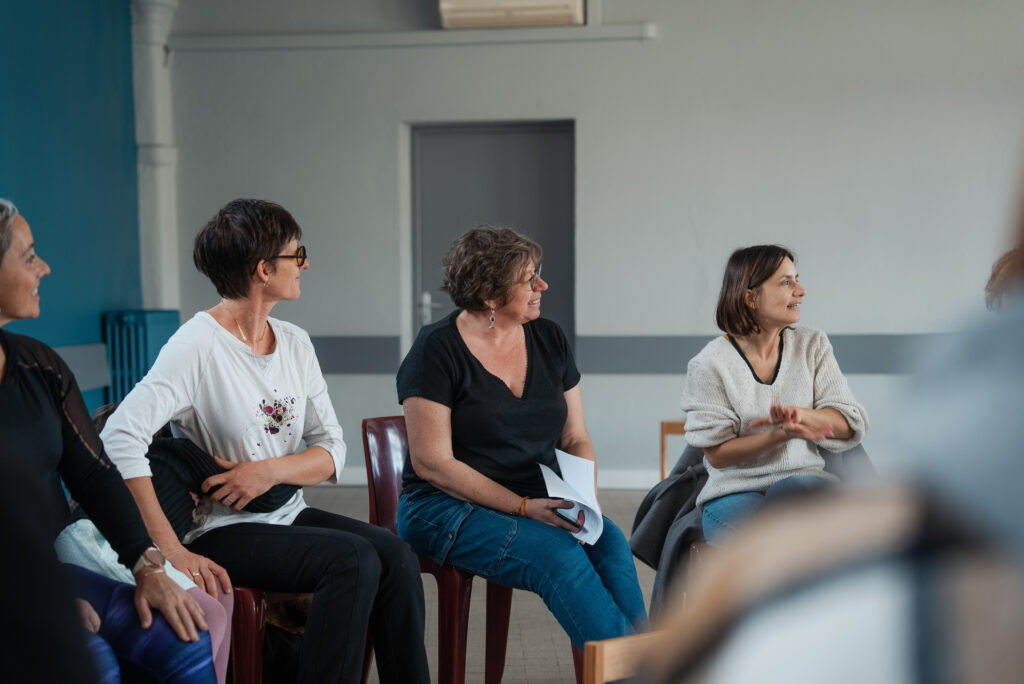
x,y
489,392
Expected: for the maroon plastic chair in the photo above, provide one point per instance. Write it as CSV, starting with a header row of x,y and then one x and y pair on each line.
x,y
385,444
248,627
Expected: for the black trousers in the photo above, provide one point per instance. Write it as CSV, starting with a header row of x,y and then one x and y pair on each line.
x,y
364,579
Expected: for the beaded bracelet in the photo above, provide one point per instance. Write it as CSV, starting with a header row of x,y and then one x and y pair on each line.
x,y
521,511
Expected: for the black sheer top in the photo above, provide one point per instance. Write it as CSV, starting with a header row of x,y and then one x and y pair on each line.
x,y
44,423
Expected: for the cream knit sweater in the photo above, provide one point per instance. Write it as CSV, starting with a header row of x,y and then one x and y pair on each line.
x,y
723,396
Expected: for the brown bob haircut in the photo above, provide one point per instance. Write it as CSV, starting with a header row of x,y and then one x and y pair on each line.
x,y
231,245
485,263
747,269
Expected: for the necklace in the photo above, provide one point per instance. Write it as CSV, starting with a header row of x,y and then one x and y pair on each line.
x,y
242,333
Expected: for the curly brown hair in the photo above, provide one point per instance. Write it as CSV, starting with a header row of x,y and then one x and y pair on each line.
x,y
485,263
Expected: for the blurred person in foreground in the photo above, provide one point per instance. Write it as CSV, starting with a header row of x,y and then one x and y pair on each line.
x,y
43,603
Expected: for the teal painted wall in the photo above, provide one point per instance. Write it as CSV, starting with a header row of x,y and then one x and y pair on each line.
x,y
67,158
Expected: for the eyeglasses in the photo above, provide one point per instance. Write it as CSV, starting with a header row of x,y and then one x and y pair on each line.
x,y
299,256
533,278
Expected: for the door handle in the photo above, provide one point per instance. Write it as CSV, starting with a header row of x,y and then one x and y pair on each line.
x,y
427,306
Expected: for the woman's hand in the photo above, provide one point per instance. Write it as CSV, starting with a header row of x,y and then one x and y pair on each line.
x,y
89,617
543,510
156,590
242,482
798,423
203,571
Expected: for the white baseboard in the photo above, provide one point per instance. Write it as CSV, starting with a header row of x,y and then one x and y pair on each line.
x,y
606,478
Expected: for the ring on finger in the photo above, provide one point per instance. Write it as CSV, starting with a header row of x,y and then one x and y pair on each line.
x,y
197,574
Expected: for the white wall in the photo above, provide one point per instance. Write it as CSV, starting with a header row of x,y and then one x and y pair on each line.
x,y
881,140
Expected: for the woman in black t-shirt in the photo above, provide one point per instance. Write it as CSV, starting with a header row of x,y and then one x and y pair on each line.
x,y
489,392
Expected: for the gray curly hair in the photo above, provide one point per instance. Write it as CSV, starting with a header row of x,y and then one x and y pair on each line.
x,y
7,213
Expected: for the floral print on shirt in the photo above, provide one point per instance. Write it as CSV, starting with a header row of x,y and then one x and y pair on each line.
x,y
278,414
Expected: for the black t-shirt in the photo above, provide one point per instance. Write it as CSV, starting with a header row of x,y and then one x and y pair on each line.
x,y
45,425
496,433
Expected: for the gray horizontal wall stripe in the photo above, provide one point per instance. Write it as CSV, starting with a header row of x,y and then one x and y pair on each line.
x,y
340,354
89,364
881,354
874,354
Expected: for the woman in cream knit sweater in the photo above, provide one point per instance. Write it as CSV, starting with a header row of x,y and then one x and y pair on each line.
x,y
761,399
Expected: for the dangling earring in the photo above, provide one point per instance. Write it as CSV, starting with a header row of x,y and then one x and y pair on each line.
x,y
491,326
265,283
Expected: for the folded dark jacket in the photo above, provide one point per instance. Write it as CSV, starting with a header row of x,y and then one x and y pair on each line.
x,y
179,469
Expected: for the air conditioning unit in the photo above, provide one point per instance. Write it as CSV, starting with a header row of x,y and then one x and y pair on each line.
x,y
506,13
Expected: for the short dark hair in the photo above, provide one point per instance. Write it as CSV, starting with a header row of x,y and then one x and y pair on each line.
x,y
231,245
485,263
747,269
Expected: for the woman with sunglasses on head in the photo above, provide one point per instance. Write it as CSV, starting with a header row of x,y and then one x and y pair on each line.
x,y
248,390
761,399
45,426
489,392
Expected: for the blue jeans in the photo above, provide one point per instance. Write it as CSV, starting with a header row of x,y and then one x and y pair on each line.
x,y
592,591
723,515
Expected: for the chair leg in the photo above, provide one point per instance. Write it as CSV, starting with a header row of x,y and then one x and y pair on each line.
x,y
247,629
577,664
454,589
499,608
367,659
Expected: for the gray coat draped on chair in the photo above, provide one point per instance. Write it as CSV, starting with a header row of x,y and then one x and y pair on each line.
x,y
668,522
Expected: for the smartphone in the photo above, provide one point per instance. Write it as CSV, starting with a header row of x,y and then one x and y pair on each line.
x,y
570,514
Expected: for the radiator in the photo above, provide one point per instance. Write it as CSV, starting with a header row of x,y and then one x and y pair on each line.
x,y
133,339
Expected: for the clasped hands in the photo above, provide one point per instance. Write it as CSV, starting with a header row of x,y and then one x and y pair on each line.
x,y
800,423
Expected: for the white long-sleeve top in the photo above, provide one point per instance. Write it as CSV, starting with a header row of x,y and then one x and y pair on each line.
x,y
723,396
235,405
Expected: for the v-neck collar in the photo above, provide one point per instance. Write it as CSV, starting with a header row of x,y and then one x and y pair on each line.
x,y
778,362
529,359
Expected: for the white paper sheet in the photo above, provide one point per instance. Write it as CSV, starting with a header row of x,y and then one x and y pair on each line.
x,y
576,485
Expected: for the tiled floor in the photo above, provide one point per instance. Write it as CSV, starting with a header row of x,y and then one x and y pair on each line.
x,y
538,649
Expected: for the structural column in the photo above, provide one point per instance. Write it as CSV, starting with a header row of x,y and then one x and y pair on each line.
x,y
157,155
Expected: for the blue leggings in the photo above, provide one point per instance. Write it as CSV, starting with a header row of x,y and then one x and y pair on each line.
x,y
722,515
155,653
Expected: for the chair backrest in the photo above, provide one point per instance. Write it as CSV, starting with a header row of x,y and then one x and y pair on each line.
x,y
385,444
